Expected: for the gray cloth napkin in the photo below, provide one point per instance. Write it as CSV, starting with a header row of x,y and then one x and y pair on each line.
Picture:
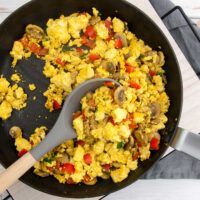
x,y
181,32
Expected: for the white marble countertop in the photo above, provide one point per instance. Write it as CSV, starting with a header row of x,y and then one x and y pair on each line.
x,y
142,189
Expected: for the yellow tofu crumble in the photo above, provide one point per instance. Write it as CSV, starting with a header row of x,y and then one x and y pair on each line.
x,y
32,87
116,126
16,78
11,98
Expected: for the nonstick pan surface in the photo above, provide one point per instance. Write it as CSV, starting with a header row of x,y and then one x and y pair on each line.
x,y
38,12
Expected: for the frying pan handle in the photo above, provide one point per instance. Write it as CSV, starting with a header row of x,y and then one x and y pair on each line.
x,y
15,171
187,142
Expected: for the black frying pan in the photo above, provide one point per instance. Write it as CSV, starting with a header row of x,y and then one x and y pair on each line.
x,y
38,12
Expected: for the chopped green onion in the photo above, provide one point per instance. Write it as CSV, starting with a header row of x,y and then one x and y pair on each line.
x,y
160,73
83,56
47,160
141,56
67,48
120,145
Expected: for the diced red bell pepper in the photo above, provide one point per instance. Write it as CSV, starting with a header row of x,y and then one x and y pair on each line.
x,y
90,32
154,144
76,114
112,121
86,178
91,102
80,142
110,36
135,85
139,144
135,156
129,116
84,39
152,73
109,84
60,62
84,115
129,68
133,126
94,57
56,105
108,24
24,42
58,165
42,51
34,48
106,167
32,143
118,43
70,181
49,168
22,152
90,44
79,50
68,167
87,158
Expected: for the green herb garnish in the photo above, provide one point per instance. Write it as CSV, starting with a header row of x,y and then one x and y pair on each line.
x,y
47,160
67,48
83,56
141,56
120,145
160,73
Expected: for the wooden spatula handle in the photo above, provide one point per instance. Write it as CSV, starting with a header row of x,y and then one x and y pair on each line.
x,y
15,171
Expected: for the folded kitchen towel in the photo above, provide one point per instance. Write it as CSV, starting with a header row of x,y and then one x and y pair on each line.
x,y
181,32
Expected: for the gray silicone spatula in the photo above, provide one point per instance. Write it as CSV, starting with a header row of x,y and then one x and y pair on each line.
x,y
61,131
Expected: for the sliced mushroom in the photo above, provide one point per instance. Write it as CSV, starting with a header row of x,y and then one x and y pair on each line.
x,y
122,36
42,174
63,159
150,53
105,175
15,132
91,181
73,76
94,20
34,31
116,164
109,66
160,58
155,121
93,122
116,76
126,56
155,109
141,138
86,127
106,119
119,95
130,143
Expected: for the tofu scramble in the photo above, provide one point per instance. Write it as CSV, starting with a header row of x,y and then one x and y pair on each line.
x,y
116,127
11,97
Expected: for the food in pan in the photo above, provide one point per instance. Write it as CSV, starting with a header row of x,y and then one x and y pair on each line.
x,y
11,97
116,126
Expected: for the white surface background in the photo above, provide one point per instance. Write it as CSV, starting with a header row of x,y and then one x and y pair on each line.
x,y
142,189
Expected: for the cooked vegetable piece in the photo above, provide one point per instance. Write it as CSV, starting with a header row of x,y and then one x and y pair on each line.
x,y
34,31
119,95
